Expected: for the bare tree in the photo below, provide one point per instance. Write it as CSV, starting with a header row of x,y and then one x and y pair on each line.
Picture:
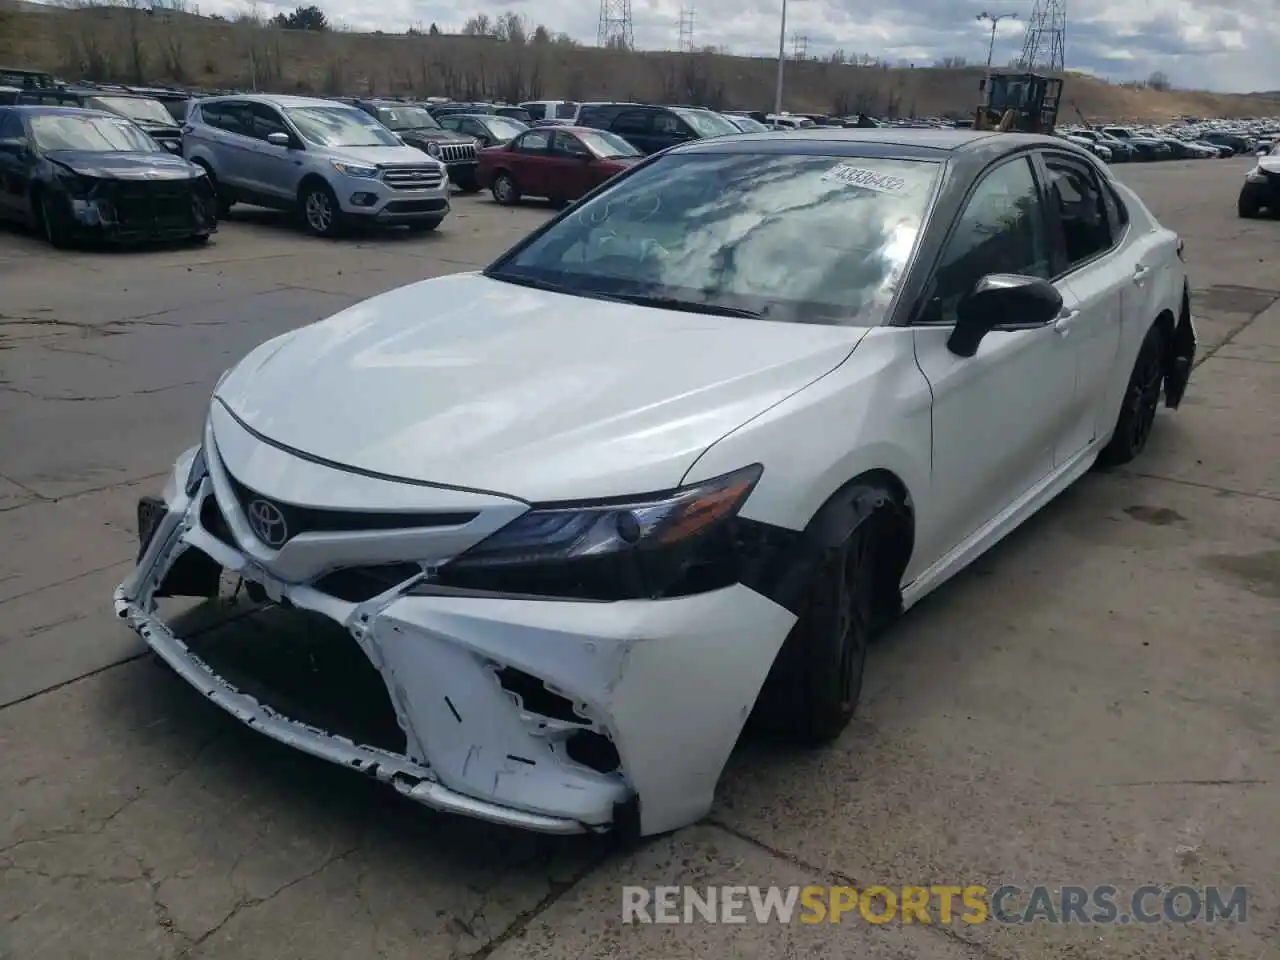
x,y
478,26
1159,81
513,28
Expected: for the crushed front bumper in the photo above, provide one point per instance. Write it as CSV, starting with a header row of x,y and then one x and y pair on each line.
x,y
552,716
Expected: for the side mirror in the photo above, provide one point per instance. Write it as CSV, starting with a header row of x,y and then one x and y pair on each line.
x,y
13,146
173,147
278,139
1005,300
1262,151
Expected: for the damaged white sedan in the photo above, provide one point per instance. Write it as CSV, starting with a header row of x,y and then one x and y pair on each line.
x,y
532,544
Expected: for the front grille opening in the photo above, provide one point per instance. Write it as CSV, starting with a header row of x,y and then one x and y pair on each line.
x,y
535,697
358,584
307,668
214,523
593,750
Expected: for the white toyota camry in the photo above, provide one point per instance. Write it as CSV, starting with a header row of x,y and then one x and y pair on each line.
x,y
555,530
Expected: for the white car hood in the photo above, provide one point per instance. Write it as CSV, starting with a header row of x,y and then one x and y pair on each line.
x,y
1271,164
476,383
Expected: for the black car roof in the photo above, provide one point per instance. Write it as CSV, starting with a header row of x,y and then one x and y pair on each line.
x,y
921,143
49,109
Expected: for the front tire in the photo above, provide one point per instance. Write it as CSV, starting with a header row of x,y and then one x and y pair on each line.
x,y
52,222
320,213
814,687
1247,207
505,189
1141,400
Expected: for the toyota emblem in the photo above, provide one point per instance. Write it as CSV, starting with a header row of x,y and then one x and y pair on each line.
x,y
267,523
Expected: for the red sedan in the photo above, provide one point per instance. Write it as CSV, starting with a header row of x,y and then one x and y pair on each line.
x,y
560,163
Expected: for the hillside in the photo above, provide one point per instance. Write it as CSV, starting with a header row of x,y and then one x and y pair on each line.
x,y
130,45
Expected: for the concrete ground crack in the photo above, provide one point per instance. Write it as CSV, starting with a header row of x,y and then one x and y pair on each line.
x,y
521,923
837,878
148,391
250,903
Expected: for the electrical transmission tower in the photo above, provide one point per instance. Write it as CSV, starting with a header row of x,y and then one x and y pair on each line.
x,y
686,29
1045,45
615,25
799,46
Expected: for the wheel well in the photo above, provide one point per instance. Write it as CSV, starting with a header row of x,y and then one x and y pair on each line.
x,y
309,181
881,492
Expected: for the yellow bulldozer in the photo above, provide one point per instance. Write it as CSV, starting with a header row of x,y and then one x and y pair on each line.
x,y
1021,102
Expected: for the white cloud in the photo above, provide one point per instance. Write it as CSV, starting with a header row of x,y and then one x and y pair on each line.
x,y
1206,44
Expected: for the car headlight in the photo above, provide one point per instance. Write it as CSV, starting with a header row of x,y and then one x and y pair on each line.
x,y
433,148
664,545
1256,175
354,169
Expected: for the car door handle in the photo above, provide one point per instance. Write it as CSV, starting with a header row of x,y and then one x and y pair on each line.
x,y
1140,273
1063,324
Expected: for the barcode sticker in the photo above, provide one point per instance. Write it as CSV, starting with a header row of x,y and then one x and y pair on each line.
x,y
869,179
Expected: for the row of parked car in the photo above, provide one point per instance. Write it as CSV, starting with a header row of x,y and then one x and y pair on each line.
x,y
1180,142
132,163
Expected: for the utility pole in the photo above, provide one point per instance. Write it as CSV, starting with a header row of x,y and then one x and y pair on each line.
x,y
782,59
995,22
799,46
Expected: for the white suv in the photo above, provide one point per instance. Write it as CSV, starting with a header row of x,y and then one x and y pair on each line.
x,y
331,162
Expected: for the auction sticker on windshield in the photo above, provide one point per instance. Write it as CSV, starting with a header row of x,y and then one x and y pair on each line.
x,y
869,179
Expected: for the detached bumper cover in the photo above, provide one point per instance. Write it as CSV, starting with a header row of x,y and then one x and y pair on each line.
x,y
667,685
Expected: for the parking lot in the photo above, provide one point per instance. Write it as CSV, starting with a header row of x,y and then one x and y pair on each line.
x,y
1094,702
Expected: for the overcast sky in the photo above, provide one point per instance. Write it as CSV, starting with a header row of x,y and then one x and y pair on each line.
x,y
1230,45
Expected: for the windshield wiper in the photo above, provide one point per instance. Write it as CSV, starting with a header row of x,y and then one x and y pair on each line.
x,y
552,287
687,306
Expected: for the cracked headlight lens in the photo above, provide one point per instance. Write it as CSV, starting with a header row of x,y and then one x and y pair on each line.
x,y
650,546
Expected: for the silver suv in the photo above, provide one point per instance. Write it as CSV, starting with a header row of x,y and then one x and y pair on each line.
x,y
332,163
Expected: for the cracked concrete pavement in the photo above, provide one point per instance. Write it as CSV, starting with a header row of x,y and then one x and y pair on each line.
x,y
1094,702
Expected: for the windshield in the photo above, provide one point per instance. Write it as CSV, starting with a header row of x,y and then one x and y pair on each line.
x,y
407,118
707,124
804,239
748,125
61,131
341,127
604,144
135,108
504,128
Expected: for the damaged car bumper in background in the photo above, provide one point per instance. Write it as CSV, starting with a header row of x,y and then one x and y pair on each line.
x,y
553,715
124,211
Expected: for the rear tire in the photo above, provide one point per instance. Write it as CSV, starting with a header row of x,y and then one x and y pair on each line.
x,y
1141,400
505,189
814,687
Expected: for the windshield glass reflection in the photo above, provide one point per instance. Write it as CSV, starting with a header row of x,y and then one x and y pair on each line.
x,y
805,239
